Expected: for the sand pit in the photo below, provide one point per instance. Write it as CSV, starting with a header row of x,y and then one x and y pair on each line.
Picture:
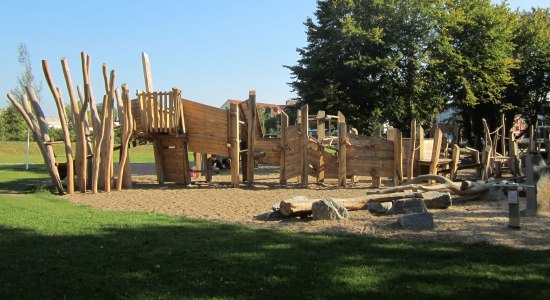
x,y
472,222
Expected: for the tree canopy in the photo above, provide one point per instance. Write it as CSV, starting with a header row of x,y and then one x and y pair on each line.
x,y
391,61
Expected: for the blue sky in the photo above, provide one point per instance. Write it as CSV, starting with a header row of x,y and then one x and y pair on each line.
x,y
211,50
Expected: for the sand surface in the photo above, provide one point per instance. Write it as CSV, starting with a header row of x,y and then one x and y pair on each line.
x,y
471,222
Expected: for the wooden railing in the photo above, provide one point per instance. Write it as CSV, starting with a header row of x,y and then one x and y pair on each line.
x,y
161,112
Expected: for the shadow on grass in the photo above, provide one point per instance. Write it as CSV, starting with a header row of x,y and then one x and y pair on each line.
x,y
14,178
198,259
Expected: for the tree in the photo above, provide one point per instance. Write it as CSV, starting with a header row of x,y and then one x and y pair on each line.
x,y
474,53
369,59
15,127
529,94
12,125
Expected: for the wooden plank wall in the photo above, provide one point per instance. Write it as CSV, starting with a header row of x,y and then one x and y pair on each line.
x,y
207,128
272,149
171,149
293,158
370,156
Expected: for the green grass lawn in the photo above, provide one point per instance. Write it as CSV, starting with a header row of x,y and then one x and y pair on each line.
x,y
51,249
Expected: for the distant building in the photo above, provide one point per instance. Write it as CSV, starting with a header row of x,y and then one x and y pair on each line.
x,y
276,109
53,122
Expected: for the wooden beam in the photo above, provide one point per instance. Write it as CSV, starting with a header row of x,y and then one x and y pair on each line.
x,y
304,141
398,156
148,77
342,136
63,118
321,149
251,137
455,161
282,162
235,141
412,147
436,151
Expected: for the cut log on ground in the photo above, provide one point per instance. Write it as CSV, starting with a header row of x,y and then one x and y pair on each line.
x,y
466,188
293,207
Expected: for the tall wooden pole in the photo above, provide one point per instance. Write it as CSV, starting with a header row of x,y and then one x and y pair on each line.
x,y
412,147
342,157
304,124
282,161
235,141
63,119
251,137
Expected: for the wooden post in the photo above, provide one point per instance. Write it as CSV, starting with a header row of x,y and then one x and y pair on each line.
x,y
531,204
208,166
512,153
79,119
455,161
108,133
282,161
198,163
305,140
235,141
252,112
487,152
398,156
39,134
125,104
342,136
412,147
532,140
147,72
321,149
321,125
181,132
63,118
420,143
503,135
436,151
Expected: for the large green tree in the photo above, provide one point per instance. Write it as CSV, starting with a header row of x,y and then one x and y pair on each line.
x,y
369,59
529,94
475,55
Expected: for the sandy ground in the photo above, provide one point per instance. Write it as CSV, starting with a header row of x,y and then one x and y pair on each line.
x,y
472,222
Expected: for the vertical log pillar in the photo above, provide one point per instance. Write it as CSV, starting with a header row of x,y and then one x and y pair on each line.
x,y
503,135
398,156
321,149
412,147
342,136
63,118
436,151
512,153
304,125
455,161
531,204
252,112
197,157
282,161
235,143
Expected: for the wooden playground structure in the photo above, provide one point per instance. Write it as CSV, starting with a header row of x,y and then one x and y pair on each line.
x,y
177,126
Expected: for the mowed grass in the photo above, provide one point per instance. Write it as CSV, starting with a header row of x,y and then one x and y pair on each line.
x,y
51,249
15,153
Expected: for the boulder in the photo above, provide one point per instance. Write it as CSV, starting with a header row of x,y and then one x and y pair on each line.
x,y
328,209
379,207
421,221
407,206
437,200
